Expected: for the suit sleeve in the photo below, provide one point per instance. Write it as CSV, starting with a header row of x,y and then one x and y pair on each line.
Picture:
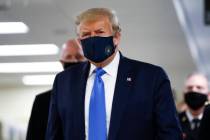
x,y
168,127
34,122
205,124
54,127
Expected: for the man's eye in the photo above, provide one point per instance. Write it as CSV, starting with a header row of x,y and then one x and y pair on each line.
x,y
78,57
199,87
190,87
85,34
100,32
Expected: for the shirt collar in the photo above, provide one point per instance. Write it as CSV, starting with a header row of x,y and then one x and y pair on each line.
x,y
190,116
111,69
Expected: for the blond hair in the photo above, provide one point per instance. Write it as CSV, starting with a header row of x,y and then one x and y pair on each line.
x,y
96,13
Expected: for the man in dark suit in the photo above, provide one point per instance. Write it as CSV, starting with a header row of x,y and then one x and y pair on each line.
x,y
110,97
195,95
39,115
71,54
205,124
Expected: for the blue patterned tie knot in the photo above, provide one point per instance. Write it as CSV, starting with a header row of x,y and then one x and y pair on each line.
x,y
97,109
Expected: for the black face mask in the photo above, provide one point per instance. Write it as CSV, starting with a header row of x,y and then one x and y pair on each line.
x,y
195,100
98,49
70,64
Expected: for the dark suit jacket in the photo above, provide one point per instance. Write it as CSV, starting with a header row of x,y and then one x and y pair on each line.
x,y
142,109
38,121
205,125
188,133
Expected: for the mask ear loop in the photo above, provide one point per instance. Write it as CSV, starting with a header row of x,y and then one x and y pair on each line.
x,y
114,35
77,40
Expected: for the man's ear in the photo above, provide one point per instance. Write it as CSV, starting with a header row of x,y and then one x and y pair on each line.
x,y
116,38
78,41
62,62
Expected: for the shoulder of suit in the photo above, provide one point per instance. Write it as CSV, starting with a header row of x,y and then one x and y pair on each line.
x,y
141,63
145,68
76,68
44,94
207,105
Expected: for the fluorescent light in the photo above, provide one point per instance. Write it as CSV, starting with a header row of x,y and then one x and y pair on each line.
x,y
30,67
28,49
13,28
38,79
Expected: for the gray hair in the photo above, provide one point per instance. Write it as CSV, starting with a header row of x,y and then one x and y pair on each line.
x,y
95,13
198,73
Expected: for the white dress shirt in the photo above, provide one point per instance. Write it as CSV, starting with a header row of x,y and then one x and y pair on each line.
x,y
190,118
109,79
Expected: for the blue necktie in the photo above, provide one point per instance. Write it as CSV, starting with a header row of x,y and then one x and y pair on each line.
x,y
97,109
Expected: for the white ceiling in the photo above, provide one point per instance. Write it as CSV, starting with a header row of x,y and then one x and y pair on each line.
x,y
150,32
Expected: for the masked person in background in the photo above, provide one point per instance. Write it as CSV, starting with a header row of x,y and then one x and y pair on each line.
x,y
195,95
71,55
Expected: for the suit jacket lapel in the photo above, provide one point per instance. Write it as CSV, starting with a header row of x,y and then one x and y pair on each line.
x,y
123,84
121,95
78,103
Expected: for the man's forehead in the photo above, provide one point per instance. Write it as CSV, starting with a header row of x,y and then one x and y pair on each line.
x,y
72,50
196,79
71,54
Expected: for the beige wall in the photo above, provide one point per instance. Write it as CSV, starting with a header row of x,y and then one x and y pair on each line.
x,y
16,103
